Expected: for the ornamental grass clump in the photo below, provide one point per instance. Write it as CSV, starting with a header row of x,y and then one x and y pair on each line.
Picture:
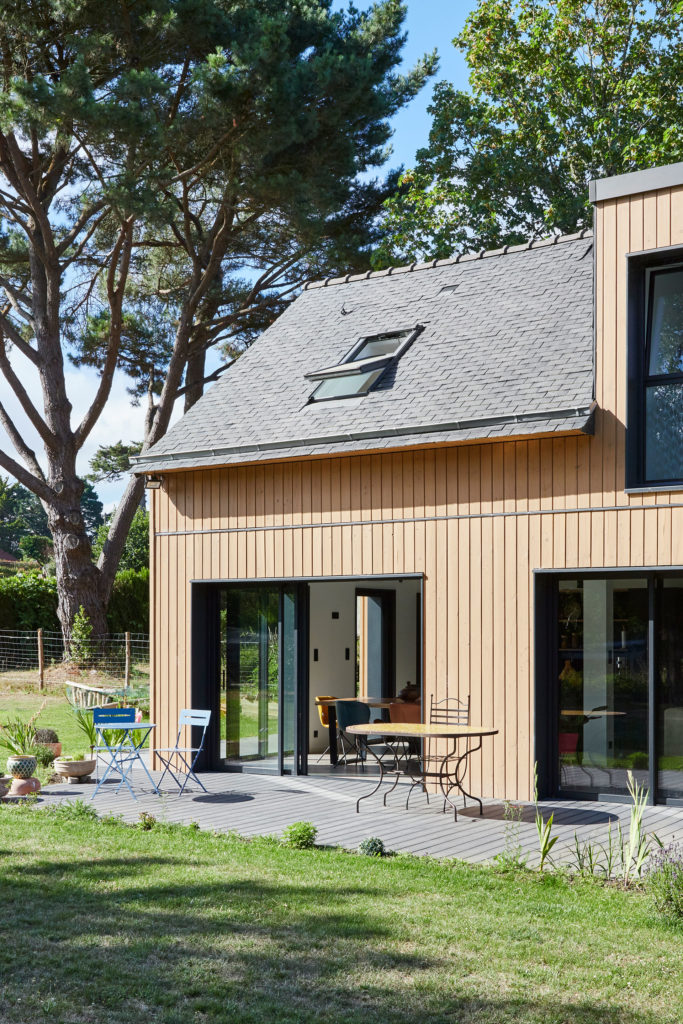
x,y
665,879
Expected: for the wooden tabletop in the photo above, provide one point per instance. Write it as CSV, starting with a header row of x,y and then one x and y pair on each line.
x,y
415,730
372,702
586,713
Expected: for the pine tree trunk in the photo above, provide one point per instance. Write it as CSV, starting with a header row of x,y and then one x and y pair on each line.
x,y
194,375
79,582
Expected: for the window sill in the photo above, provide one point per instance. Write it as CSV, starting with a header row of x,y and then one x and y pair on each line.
x,y
675,485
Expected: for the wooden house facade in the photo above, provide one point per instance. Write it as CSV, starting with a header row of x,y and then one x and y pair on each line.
x,y
528,518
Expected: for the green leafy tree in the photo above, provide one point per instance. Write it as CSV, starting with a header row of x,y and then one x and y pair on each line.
x,y
111,462
561,91
135,553
170,171
22,517
35,548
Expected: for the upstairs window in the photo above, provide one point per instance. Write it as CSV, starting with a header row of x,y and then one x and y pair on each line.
x,y
362,367
663,377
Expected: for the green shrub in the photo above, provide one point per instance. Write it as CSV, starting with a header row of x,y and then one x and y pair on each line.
x,y
81,644
28,601
46,736
43,755
129,603
300,835
665,880
373,846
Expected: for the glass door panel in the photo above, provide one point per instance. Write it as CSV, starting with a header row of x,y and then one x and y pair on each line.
x,y
288,680
603,684
250,641
669,688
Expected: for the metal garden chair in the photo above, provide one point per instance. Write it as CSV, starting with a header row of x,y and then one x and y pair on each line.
x,y
120,740
184,760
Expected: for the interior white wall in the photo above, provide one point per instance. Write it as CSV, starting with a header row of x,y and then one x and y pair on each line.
x,y
332,673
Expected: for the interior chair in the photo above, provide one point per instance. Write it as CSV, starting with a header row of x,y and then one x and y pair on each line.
x,y
568,743
410,712
180,761
324,716
353,712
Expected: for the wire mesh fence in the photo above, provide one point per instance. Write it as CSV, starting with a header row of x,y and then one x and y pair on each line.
x,y
42,658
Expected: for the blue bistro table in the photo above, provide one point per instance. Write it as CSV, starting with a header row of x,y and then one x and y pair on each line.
x,y
124,749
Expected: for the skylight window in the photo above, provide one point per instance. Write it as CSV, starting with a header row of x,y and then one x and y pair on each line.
x,y
362,366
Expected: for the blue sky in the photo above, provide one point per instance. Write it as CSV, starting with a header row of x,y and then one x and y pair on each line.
x,y
430,24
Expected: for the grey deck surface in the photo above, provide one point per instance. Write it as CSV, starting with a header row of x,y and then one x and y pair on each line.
x,y
252,804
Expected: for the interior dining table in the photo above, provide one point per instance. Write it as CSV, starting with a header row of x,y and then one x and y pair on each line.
x,y
452,767
331,704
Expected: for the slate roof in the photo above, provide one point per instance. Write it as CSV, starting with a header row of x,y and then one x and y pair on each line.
x,y
506,349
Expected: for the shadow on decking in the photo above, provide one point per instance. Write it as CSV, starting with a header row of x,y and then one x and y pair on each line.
x,y
527,812
220,798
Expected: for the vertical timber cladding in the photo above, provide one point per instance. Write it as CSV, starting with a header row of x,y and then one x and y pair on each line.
x,y
475,519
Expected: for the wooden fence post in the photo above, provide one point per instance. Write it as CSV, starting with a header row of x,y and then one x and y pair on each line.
x,y
127,675
41,661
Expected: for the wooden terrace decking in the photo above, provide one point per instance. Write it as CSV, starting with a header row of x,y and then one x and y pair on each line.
x,y
257,804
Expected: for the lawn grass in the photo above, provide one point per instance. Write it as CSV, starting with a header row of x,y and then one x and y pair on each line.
x,y
110,924
56,715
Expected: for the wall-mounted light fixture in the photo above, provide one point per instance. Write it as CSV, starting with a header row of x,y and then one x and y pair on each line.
x,y
152,482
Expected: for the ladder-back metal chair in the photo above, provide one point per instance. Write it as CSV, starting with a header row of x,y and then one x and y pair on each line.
x,y
449,711
179,760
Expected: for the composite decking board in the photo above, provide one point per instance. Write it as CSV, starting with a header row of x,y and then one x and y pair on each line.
x,y
256,805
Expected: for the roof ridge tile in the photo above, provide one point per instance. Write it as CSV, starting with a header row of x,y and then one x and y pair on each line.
x,y
465,257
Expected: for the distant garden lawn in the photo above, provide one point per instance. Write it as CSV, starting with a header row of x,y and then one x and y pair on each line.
x,y
103,922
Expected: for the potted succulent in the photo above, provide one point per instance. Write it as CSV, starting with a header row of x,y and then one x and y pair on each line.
x,y
75,767
18,738
48,738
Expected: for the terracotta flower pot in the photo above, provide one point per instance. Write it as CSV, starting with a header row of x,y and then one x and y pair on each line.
x,y
24,787
21,766
56,748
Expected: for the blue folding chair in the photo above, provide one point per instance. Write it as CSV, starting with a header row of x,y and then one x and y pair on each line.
x,y
185,762
115,753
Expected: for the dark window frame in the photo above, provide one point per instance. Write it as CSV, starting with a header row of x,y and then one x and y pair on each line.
x,y
378,364
641,271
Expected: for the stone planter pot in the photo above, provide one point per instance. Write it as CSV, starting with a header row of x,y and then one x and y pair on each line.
x,y
21,766
77,770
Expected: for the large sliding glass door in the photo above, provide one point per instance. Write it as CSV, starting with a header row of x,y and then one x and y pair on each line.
x,y
615,703
669,688
603,683
260,704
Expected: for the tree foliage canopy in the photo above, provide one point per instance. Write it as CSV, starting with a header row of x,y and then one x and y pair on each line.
x,y
170,171
561,91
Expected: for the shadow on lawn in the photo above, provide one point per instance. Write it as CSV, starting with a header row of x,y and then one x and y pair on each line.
x,y
106,939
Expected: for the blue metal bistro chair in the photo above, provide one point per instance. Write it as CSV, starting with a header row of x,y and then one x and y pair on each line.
x,y
112,718
183,756
116,744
